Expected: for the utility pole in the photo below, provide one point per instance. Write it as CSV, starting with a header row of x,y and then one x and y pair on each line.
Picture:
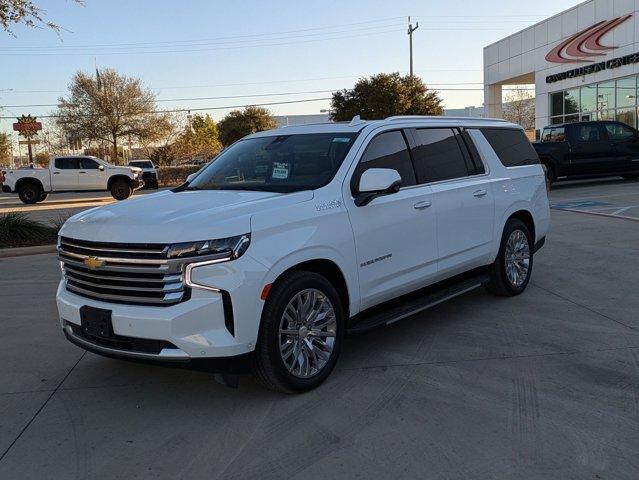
x,y
411,29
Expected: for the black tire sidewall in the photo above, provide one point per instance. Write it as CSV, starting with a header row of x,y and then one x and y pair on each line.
x,y
268,343
512,225
32,198
117,184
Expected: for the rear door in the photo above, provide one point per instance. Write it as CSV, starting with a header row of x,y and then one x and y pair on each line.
x,y
626,144
462,198
395,236
591,152
65,174
91,177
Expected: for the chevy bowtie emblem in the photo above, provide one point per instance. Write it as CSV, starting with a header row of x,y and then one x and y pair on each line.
x,y
94,262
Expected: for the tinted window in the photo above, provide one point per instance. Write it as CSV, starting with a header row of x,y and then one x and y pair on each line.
x,y
477,166
546,135
617,131
387,150
558,134
587,133
89,164
437,155
67,163
141,164
511,146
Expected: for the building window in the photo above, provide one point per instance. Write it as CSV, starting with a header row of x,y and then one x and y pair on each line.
x,y
626,92
588,98
571,101
557,103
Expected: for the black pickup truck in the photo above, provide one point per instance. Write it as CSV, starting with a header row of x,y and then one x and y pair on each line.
x,y
584,149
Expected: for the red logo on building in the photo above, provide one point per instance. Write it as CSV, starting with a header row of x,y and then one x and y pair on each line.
x,y
582,45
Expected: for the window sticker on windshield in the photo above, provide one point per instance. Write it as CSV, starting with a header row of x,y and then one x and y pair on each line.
x,y
341,139
280,170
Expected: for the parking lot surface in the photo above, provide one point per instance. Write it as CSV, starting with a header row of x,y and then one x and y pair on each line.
x,y
543,385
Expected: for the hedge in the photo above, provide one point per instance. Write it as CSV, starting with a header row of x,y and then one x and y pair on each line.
x,y
168,176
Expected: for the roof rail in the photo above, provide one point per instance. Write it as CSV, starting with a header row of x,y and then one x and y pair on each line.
x,y
439,117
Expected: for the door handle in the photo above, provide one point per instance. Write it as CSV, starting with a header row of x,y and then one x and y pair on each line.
x,y
82,172
422,205
56,173
479,193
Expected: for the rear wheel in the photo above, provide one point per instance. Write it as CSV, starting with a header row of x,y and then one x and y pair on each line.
x,y
300,334
512,268
29,193
121,189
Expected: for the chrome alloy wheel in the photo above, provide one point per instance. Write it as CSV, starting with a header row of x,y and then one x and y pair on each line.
x,y
517,258
307,333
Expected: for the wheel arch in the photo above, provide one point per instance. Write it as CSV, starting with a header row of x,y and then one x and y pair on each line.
x,y
27,180
329,270
526,217
116,177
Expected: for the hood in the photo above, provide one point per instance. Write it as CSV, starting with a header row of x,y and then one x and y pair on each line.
x,y
171,217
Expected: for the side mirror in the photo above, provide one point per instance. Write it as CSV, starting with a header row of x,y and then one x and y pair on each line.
x,y
376,182
190,177
101,168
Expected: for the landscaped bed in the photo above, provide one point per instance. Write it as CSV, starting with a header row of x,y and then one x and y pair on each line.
x,y
18,230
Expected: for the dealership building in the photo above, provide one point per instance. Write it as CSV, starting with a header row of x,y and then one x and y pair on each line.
x,y
583,62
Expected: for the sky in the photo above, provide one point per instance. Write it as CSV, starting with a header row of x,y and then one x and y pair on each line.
x,y
252,50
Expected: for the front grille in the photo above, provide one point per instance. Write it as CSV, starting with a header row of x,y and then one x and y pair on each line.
x,y
140,274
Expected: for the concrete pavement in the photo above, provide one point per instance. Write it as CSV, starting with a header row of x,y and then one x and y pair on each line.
x,y
544,385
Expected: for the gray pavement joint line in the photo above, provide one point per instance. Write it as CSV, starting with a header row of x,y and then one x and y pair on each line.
x,y
592,310
24,429
484,359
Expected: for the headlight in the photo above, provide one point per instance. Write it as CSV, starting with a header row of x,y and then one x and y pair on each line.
x,y
229,248
214,251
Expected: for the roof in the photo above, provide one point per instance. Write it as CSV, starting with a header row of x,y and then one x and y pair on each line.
x,y
357,125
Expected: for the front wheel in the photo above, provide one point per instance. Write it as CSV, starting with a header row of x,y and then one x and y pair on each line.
x,y
43,197
121,189
300,334
511,270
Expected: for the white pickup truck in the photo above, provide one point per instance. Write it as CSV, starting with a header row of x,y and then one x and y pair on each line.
x,y
72,174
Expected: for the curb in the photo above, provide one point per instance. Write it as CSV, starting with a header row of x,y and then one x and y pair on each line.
x,y
23,251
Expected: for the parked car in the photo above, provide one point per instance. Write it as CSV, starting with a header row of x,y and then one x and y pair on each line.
x,y
295,236
72,174
2,174
584,149
149,172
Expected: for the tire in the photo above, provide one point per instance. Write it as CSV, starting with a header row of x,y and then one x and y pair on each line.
x,y
43,197
501,276
550,176
121,189
284,372
29,193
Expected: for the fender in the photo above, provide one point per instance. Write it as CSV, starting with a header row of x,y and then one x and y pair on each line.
x,y
23,180
117,176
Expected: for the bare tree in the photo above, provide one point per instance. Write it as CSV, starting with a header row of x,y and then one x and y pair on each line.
x,y
519,108
25,12
106,108
162,146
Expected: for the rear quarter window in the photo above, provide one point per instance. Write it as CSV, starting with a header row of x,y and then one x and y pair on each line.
x,y
511,146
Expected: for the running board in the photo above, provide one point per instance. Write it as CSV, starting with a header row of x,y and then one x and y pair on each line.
x,y
412,303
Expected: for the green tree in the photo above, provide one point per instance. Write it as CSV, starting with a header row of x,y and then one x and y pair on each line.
x,y
25,12
5,149
107,108
200,139
239,123
385,95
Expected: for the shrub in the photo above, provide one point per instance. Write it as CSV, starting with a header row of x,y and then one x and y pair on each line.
x,y
17,230
168,176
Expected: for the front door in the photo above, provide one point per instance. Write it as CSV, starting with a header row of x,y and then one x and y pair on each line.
x,y
91,177
395,236
65,173
626,144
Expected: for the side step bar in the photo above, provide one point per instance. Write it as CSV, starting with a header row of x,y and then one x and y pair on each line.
x,y
412,303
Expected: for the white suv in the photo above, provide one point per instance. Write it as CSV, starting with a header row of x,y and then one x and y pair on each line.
x,y
294,237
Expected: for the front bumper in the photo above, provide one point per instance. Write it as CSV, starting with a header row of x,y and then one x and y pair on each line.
x,y
186,333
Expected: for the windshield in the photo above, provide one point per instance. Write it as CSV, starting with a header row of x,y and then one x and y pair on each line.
x,y
284,163
141,164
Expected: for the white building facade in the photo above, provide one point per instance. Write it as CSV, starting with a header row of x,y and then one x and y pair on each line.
x,y
584,63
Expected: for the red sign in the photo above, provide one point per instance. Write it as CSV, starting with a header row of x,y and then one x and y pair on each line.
x,y
585,44
27,126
